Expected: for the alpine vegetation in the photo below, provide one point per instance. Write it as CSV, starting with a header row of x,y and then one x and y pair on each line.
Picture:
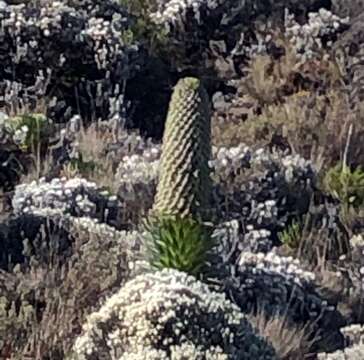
x,y
178,235
169,315
184,186
181,179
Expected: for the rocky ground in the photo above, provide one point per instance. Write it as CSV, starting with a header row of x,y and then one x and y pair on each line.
x,y
84,93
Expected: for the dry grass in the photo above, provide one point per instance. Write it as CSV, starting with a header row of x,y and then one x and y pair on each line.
x,y
93,164
291,342
38,168
34,160
314,126
43,304
301,106
97,165
17,105
269,80
315,244
352,219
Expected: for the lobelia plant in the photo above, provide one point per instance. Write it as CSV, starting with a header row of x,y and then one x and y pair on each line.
x,y
178,243
184,186
179,235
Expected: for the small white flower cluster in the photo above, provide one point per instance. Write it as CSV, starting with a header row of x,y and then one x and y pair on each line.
x,y
256,241
354,336
98,30
177,352
74,196
108,41
238,156
169,312
272,264
243,156
296,165
264,212
307,39
357,243
227,236
175,10
293,166
136,177
349,353
232,241
49,21
20,135
139,168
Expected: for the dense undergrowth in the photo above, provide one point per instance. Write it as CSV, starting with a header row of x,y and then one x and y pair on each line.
x,y
254,195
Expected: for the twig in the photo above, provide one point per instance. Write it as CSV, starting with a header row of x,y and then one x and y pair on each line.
x,y
345,157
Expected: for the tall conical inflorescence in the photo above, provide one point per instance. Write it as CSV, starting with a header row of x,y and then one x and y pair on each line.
x,y
184,186
179,235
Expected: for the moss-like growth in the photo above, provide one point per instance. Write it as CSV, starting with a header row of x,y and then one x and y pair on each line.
x,y
184,186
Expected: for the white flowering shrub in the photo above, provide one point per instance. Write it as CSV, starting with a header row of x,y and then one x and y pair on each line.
x,y
78,44
183,352
77,197
307,39
171,315
350,353
136,182
136,169
263,188
280,286
180,12
270,281
354,334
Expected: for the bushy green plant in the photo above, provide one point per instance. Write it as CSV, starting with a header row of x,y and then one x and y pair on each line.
x,y
178,243
35,128
346,184
291,235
